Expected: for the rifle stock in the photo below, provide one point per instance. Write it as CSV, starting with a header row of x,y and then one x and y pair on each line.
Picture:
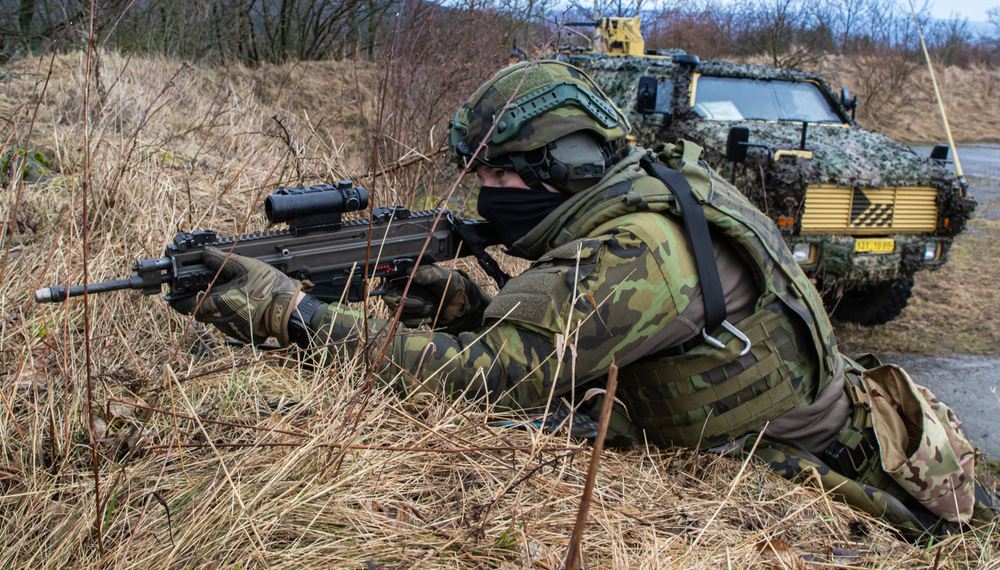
x,y
317,246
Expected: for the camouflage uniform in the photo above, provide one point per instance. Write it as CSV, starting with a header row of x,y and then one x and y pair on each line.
x,y
614,281
612,273
618,283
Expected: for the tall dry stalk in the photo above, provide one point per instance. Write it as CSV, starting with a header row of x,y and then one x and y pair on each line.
x,y
95,457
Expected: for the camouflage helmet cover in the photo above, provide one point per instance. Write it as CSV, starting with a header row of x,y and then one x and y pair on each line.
x,y
554,100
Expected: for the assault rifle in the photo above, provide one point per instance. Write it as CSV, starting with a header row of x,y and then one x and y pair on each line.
x,y
317,246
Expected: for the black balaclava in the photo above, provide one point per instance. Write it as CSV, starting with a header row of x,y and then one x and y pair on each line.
x,y
515,211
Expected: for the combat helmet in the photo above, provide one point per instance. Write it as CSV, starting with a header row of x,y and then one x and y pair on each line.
x,y
559,128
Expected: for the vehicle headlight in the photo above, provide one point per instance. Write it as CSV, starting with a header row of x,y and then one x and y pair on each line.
x,y
931,251
802,252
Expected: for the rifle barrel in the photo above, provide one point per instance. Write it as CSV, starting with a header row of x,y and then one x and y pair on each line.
x,y
58,293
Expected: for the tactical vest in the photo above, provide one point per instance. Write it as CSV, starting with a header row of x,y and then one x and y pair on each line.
x,y
707,395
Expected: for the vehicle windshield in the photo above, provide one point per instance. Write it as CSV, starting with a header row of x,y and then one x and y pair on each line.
x,y
737,99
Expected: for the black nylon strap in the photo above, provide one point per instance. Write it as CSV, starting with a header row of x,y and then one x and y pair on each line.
x,y
699,239
526,172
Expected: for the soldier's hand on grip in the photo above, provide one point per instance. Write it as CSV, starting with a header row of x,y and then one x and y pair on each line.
x,y
249,301
436,293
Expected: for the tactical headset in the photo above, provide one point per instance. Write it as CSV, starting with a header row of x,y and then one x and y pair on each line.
x,y
569,164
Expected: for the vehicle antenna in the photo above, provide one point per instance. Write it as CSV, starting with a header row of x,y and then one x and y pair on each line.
x,y
937,93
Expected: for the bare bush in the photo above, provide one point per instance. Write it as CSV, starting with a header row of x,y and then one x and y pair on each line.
x,y
882,84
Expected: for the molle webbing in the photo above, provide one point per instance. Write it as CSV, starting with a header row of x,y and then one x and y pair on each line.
x,y
711,396
865,461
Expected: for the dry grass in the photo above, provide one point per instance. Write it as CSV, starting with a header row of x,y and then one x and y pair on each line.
x,y
246,460
907,109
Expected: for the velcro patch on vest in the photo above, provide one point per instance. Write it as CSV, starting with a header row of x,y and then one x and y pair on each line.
x,y
537,296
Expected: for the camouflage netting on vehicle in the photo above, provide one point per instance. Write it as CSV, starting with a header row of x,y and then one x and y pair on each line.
x,y
619,76
849,157
841,155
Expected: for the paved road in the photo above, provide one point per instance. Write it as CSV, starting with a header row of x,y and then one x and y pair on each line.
x,y
981,165
965,383
977,159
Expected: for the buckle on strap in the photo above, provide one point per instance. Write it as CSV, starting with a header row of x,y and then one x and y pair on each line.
x,y
858,397
736,332
851,453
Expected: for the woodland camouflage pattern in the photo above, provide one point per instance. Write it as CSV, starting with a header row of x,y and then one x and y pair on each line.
x,y
485,105
609,277
461,300
876,494
794,464
845,156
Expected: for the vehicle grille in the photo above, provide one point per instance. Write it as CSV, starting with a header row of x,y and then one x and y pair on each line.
x,y
841,209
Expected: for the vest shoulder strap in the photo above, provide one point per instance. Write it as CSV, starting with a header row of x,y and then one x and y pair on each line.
x,y
699,240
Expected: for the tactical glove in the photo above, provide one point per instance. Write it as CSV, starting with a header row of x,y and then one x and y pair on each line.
x,y
450,297
249,301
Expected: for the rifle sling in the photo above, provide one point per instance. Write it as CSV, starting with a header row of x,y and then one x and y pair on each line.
x,y
699,240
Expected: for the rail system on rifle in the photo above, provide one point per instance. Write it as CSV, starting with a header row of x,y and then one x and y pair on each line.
x,y
318,245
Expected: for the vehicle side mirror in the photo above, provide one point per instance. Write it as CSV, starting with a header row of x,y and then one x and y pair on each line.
x,y
646,98
847,102
940,152
736,144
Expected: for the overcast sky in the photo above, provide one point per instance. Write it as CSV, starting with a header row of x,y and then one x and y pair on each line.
x,y
974,10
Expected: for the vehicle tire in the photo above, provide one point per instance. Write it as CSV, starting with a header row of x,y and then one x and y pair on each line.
x,y
875,305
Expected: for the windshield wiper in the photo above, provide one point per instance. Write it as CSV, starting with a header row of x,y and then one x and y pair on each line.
x,y
812,121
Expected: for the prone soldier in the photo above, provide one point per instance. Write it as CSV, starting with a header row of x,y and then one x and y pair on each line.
x,y
648,260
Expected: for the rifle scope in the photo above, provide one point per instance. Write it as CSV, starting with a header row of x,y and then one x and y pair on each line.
x,y
287,204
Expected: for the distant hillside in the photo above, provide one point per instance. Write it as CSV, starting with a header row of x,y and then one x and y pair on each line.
x,y
896,97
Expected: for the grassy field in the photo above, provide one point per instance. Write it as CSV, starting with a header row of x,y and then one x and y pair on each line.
x,y
209,456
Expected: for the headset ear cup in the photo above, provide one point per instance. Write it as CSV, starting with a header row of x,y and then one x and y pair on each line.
x,y
558,173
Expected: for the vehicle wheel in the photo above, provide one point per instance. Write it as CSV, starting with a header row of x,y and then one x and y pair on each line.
x,y
875,305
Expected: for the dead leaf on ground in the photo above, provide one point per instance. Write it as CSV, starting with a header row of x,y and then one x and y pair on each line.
x,y
780,555
128,440
398,515
124,409
32,377
100,428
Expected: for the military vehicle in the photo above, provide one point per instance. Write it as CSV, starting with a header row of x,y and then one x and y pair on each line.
x,y
861,213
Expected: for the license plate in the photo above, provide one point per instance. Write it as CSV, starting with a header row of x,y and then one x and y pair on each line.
x,y
875,245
